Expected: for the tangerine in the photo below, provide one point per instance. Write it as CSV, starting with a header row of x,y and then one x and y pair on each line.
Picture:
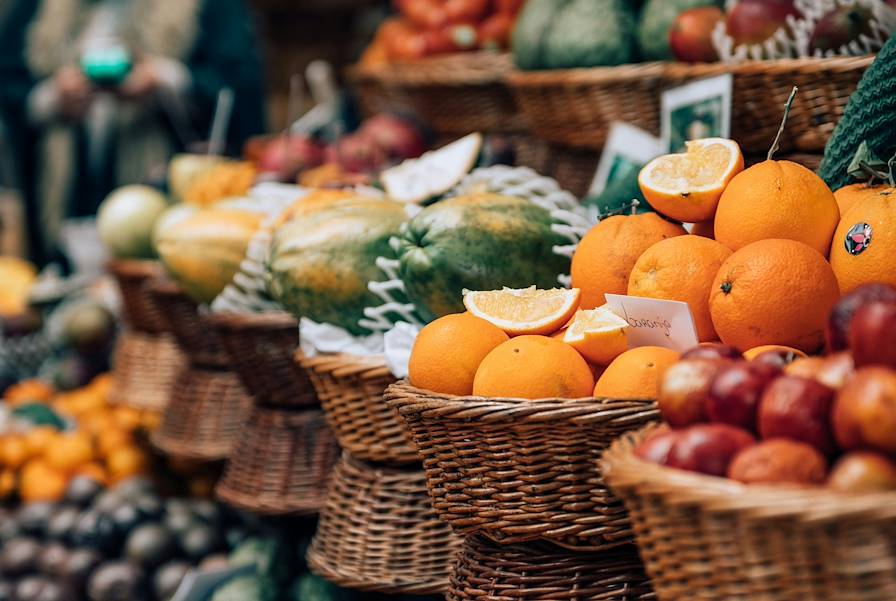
x,y
635,374
38,481
69,451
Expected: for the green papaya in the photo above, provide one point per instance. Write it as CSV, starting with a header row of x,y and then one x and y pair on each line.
x,y
477,242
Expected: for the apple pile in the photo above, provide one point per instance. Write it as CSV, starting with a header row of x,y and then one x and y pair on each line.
x,y
782,418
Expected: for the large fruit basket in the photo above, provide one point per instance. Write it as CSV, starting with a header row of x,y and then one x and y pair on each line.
x,y
703,537
133,278
350,389
522,470
575,107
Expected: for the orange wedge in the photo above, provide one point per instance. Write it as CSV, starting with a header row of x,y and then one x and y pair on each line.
x,y
687,187
598,334
526,310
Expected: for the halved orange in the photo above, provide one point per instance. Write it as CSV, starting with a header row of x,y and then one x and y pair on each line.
x,y
524,310
598,334
687,186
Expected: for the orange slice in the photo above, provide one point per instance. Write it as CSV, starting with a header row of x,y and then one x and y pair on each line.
x,y
526,310
687,186
598,334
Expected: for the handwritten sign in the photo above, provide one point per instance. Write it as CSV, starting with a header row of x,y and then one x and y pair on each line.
x,y
654,322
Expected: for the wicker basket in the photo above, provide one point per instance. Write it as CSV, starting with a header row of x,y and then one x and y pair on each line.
x,y
281,463
487,571
140,311
350,389
453,94
192,329
144,369
710,538
522,470
576,107
261,348
378,532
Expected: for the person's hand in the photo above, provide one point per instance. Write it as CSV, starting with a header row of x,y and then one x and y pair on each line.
x,y
74,92
141,81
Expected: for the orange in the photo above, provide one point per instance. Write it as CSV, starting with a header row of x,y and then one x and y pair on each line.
x,y
606,254
681,269
524,311
635,374
125,462
97,421
94,471
687,186
754,352
598,334
113,438
447,353
533,367
849,195
101,385
38,439
777,199
864,244
773,292
7,483
13,451
28,391
40,482
705,229
127,417
69,451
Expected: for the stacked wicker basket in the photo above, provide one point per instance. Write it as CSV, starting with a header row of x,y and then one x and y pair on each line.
x,y
377,529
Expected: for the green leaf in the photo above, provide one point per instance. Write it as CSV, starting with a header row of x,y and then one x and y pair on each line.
x,y
866,165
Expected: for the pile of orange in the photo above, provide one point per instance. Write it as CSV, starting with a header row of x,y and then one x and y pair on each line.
x,y
39,463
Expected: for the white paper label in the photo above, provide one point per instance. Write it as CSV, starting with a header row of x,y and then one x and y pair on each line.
x,y
654,322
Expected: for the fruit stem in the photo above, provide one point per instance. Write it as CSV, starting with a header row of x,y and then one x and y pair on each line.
x,y
726,287
774,148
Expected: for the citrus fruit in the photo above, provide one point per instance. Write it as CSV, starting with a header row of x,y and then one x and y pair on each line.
x,y
113,438
40,482
448,351
865,242
28,391
687,186
776,199
526,310
635,374
38,439
68,452
94,471
7,483
125,462
773,292
13,451
681,269
606,254
598,334
533,367
849,195
754,352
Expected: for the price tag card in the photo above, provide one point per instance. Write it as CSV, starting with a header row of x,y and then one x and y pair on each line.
x,y
700,109
653,322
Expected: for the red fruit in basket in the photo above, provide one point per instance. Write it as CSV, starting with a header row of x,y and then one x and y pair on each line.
x,y
494,32
287,155
779,461
799,409
397,137
712,350
448,39
754,21
357,154
427,14
735,392
864,415
708,448
837,331
840,27
512,7
465,11
863,472
836,370
683,391
655,448
872,334
690,37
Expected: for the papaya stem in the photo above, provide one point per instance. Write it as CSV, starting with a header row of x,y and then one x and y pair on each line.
x,y
774,148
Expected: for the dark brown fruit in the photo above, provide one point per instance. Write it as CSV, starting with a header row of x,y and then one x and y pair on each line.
x,y
683,391
708,448
655,448
779,461
799,409
841,26
712,350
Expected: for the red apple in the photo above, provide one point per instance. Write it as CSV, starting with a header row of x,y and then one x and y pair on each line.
x,y
836,370
683,391
797,408
712,350
287,155
872,334
863,472
735,392
397,137
837,330
708,448
755,21
841,26
655,448
357,154
779,461
690,37
864,415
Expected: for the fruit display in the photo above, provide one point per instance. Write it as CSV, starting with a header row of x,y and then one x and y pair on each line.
x,y
227,179
126,218
17,276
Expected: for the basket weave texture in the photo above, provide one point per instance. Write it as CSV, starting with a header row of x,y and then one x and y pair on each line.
x,y
487,571
144,369
522,470
575,107
350,389
378,532
192,329
703,537
133,278
281,463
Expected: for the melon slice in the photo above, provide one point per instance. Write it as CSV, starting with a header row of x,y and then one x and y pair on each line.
x,y
433,173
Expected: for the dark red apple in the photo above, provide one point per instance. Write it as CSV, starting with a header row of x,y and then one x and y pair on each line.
x,y
735,392
683,391
841,26
863,472
864,415
287,155
779,461
872,334
755,21
797,408
712,350
398,138
836,370
837,331
655,448
690,37
708,448
357,154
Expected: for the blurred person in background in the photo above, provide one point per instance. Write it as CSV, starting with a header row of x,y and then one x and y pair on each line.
x,y
101,93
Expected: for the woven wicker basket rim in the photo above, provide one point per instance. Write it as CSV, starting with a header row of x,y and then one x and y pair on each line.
x,y
147,268
164,286
409,399
462,69
345,364
621,468
274,320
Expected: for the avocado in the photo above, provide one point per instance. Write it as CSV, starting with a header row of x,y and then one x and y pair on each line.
x,y
150,545
107,501
34,517
149,505
52,559
63,523
19,557
116,581
80,565
88,327
168,578
82,490
199,541
96,531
